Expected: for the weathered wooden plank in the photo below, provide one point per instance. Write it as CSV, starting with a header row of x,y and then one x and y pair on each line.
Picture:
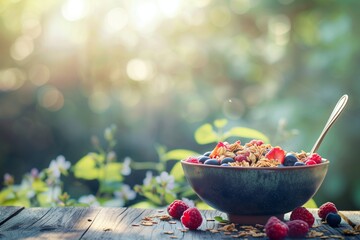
x,y
49,223
8,212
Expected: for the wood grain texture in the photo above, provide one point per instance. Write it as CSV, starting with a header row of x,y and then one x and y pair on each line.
x,y
124,223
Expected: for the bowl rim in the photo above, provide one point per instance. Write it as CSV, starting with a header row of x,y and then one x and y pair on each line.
x,y
323,162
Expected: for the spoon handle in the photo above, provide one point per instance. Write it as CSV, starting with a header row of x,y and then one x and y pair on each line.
x,y
334,115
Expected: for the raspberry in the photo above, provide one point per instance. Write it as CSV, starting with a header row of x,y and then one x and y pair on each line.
x,y
256,142
315,157
191,218
325,209
276,229
242,157
310,162
297,228
192,160
302,213
277,154
177,208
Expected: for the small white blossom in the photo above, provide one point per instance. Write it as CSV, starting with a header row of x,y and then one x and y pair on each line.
x,y
148,178
58,166
52,194
126,170
90,200
165,180
126,193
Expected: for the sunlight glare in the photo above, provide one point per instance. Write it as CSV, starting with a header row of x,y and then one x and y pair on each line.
x,y
115,20
74,10
169,8
145,16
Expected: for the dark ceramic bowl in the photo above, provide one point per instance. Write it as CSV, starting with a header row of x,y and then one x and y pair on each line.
x,y
251,195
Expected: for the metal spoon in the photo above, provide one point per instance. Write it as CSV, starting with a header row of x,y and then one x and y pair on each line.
x,y
334,115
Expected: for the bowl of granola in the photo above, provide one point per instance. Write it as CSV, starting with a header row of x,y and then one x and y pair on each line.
x,y
254,181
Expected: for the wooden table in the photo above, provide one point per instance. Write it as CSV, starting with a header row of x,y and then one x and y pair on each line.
x,y
125,223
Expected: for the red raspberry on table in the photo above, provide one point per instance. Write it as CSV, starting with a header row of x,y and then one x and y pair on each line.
x,y
192,160
297,228
191,218
276,229
302,213
177,208
315,157
325,209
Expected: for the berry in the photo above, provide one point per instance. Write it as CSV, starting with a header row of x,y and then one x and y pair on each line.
x,y
277,154
290,159
192,160
207,154
333,219
302,213
315,157
225,165
177,208
242,157
202,159
325,209
310,162
256,142
218,150
276,229
212,162
299,164
227,160
297,228
191,218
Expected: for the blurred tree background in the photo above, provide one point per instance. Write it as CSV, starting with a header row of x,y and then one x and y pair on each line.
x,y
159,69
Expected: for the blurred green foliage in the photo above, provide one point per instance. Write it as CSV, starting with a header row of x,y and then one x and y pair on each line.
x,y
160,69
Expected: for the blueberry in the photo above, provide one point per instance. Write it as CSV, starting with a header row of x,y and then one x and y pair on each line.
x,y
225,165
227,160
202,159
207,154
333,219
212,162
290,159
299,164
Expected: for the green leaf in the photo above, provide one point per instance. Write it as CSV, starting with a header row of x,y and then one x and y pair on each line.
x,y
179,154
39,186
86,168
204,206
310,204
112,172
177,172
220,219
152,197
169,197
220,123
110,186
6,194
246,133
205,134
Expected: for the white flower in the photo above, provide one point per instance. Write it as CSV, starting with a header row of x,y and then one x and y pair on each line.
x,y
58,166
148,178
90,200
126,170
52,194
165,180
126,193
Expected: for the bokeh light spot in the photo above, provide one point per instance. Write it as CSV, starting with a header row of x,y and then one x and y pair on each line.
x,y
51,98
11,79
240,6
115,20
22,48
139,70
169,8
31,27
74,10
